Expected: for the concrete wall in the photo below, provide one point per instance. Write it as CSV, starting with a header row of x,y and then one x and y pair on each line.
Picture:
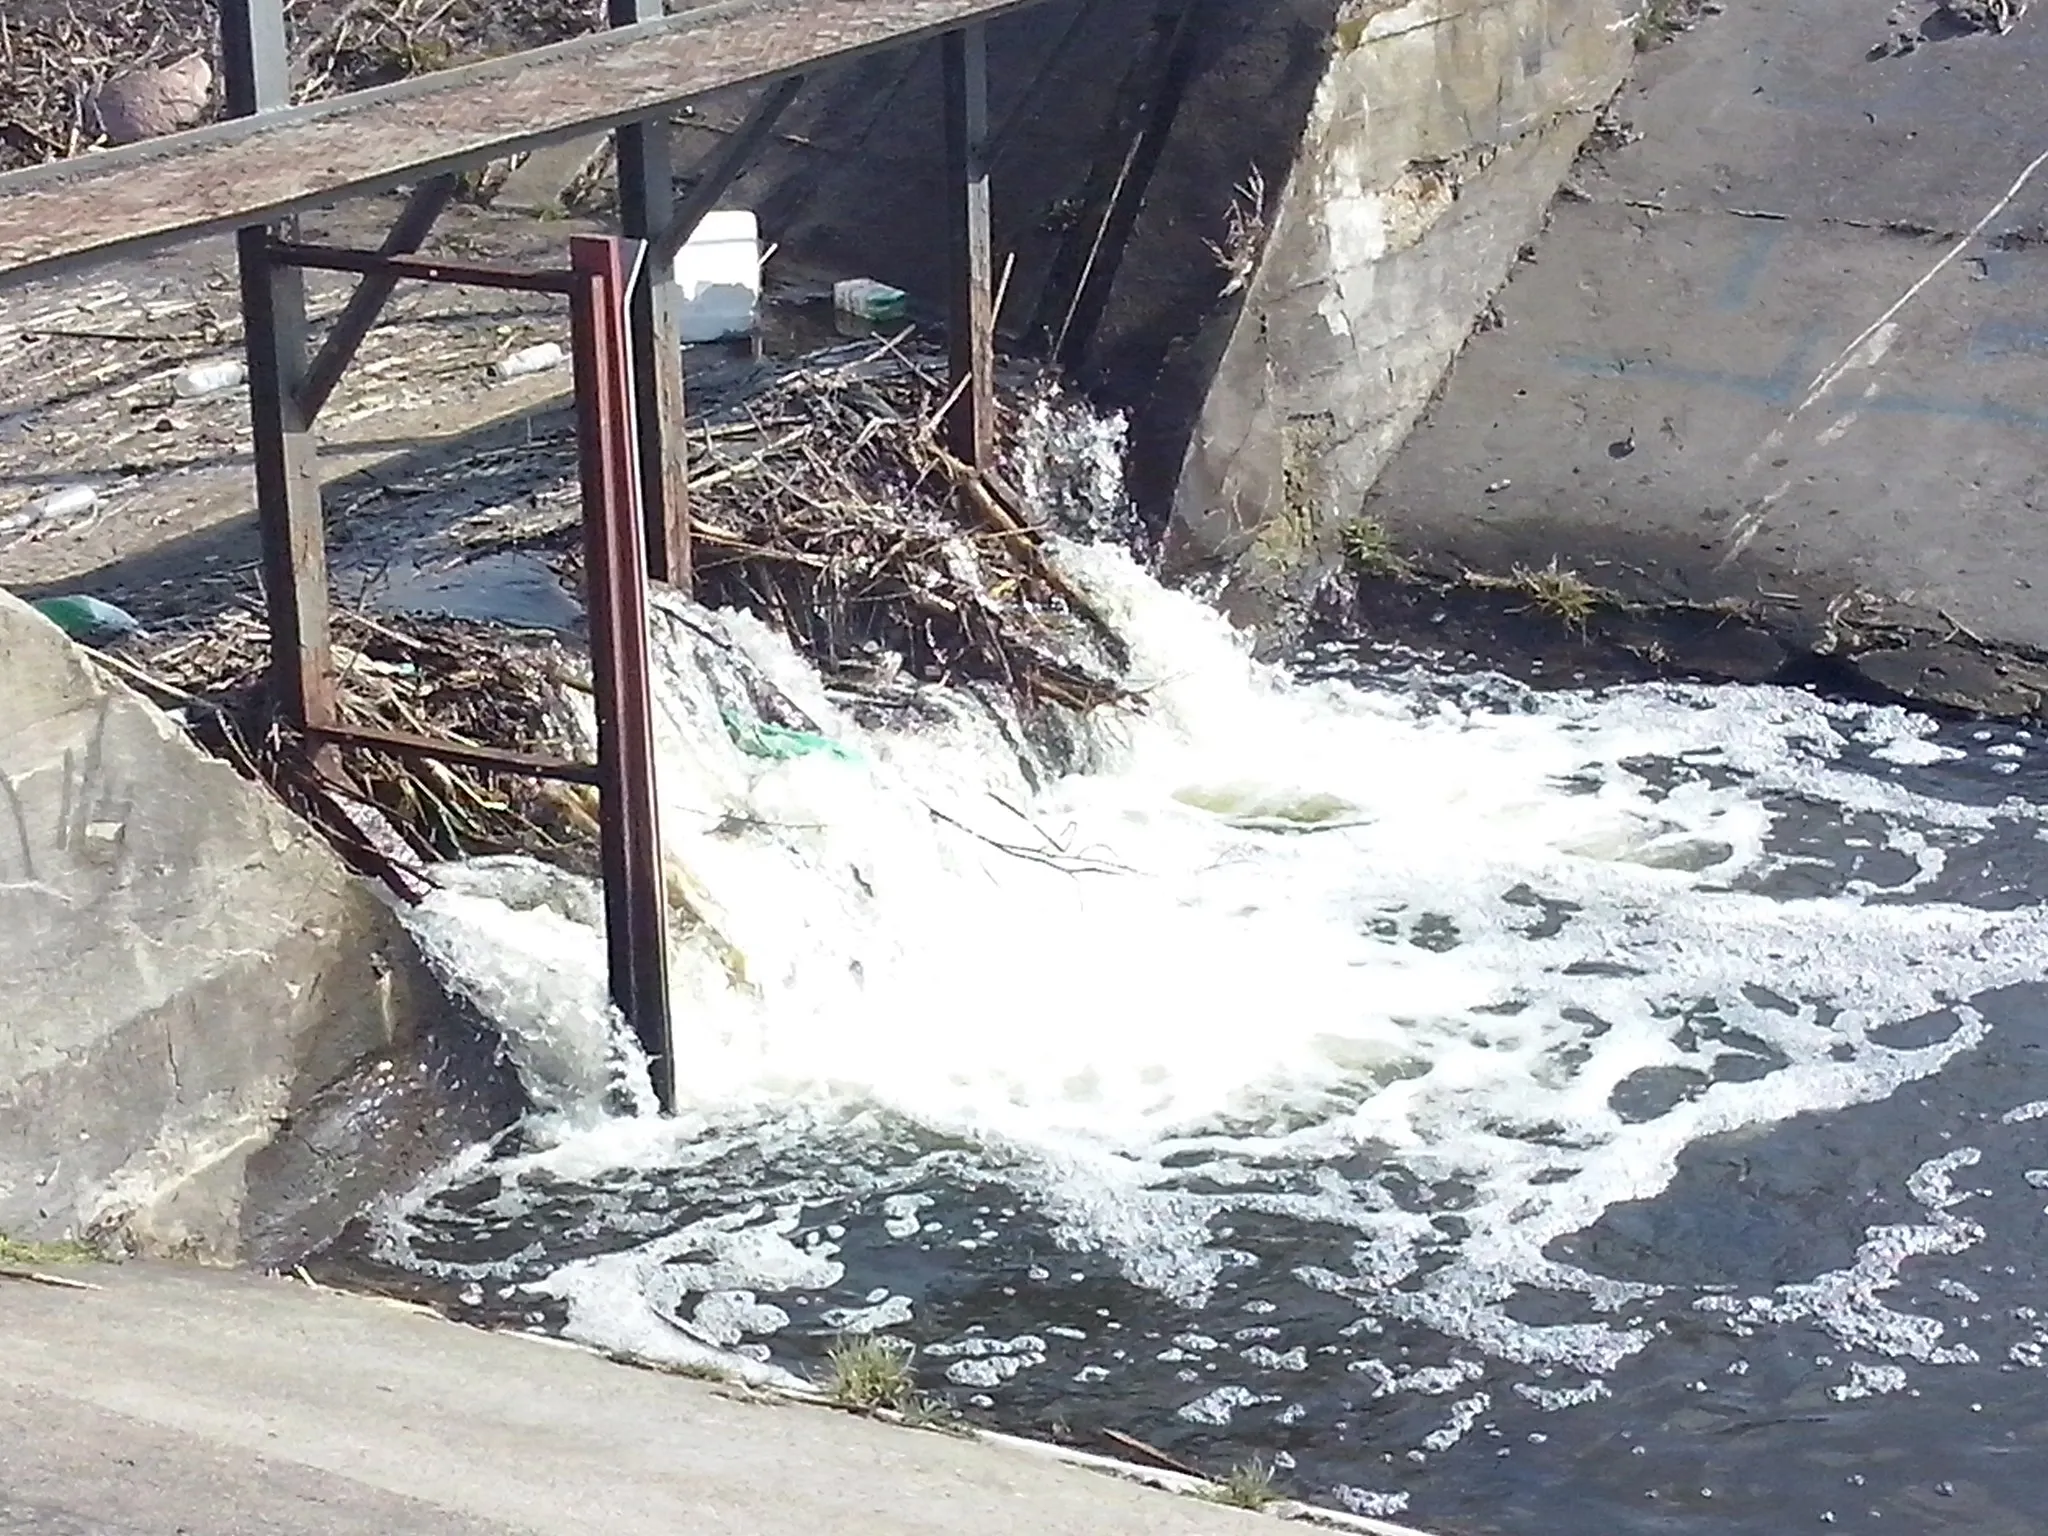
x,y
1408,151
187,966
1440,133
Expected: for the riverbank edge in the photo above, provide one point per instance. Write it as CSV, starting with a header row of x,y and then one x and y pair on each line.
x,y
1551,625
295,1312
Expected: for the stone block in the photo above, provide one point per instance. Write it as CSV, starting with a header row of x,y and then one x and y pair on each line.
x,y
188,964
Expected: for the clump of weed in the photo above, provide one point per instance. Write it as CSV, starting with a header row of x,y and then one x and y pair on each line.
x,y
924,1411
869,1373
1563,594
19,1253
1248,1485
1369,549
1244,233
1555,590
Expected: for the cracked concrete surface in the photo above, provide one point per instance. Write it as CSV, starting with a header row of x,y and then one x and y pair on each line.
x,y
170,1402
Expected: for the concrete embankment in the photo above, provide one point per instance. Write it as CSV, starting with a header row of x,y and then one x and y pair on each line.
x,y
166,1402
200,998
1343,186
1779,358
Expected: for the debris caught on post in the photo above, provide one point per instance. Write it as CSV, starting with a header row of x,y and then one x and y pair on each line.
x,y
823,503
480,684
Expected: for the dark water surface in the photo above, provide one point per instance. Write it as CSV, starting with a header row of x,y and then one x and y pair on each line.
x,y
1842,1316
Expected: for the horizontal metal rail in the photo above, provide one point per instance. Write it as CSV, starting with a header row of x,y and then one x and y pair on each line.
x,y
426,269
145,196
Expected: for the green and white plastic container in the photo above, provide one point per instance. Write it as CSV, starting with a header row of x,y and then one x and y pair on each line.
x,y
865,299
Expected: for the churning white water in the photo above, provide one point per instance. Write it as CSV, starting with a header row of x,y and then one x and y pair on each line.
x,y
1279,940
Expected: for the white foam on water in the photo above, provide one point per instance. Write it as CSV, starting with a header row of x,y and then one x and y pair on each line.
x,y
1847,1303
1281,931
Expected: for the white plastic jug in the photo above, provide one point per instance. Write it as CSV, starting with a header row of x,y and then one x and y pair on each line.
x,y
718,277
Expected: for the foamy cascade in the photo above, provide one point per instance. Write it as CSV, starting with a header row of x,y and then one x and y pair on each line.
x,y
1284,922
1285,945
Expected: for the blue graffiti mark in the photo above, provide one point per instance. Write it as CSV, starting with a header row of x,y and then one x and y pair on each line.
x,y
1749,266
1779,387
2003,338
1785,386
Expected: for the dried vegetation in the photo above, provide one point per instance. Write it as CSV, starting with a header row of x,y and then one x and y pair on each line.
x,y
475,684
54,54
823,502
827,505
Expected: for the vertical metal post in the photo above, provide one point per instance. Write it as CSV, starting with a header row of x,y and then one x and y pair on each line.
x,y
970,326
646,211
256,67
615,585
1175,52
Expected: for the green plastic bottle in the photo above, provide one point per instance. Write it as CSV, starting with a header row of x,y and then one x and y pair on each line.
x,y
87,618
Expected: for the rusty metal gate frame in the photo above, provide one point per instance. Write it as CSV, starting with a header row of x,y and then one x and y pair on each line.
x,y
598,285
630,428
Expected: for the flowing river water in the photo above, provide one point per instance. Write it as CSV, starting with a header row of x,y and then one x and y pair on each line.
x,y
1615,1108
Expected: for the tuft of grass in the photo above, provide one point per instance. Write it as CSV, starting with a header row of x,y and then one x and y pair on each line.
x,y
1244,233
1659,21
1369,549
15,1251
869,1373
924,1411
1249,1485
1563,594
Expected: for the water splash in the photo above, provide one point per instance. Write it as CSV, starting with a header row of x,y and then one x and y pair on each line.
x,y
1355,991
1285,923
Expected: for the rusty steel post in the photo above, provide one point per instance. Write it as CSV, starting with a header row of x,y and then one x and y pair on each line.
x,y
971,320
615,595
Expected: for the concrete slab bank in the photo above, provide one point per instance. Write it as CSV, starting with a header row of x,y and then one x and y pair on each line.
x,y
1783,346
187,968
1438,135
168,1402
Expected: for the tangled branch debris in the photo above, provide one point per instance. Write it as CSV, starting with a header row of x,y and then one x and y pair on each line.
x,y
823,503
54,54
433,677
826,504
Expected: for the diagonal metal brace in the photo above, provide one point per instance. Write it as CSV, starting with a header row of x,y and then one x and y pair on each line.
x,y
725,165
425,205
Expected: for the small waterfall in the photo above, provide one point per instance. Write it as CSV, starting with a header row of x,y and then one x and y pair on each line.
x,y
1279,953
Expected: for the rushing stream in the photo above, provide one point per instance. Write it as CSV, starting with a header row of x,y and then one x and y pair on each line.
x,y
1612,1111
